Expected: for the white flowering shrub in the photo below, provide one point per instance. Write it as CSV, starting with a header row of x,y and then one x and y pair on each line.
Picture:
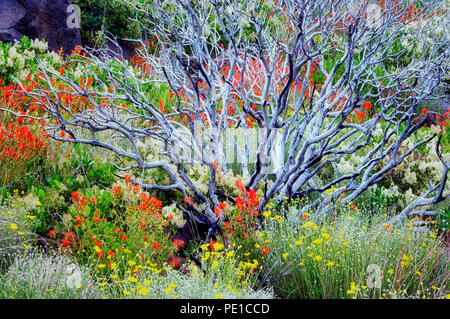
x,y
19,59
411,177
436,27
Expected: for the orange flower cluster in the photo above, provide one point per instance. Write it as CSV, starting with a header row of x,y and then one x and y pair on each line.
x,y
115,227
21,144
240,226
360,115
141,62
248,202
441,118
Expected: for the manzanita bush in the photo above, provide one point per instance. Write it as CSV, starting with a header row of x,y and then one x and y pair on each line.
x,y
268,96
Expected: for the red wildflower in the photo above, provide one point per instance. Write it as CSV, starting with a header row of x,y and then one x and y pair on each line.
x,y
161,105
240,203
367,106
75,196
97,219
360,116
116,191
78,221
83,201
174,262
69,235
65,242
240,185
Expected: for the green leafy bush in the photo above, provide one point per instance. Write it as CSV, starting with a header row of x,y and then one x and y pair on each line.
x,y
100,16
117,228
19,59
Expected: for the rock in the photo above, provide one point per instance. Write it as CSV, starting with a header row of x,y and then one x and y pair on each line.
x,y
118,48
431,118
42,19
177,263
445,104
9,35
11,12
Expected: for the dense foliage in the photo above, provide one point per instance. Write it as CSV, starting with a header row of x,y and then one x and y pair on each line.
x,y
74,225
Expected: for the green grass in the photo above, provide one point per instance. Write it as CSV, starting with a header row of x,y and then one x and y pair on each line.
x,y
341,257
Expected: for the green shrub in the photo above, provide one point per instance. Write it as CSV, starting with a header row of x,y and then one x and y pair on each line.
x,y
18,59
117,229
100,16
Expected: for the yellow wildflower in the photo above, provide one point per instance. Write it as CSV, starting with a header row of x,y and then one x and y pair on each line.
x,y
132,279
143,290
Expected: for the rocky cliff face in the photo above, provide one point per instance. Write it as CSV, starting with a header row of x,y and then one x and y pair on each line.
x,y
43,19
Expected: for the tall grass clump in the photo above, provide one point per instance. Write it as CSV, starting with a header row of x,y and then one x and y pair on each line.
x,y
217,274
353,255
16,226
173,284
33,275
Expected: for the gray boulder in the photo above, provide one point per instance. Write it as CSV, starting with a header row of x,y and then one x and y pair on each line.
x,y
42,19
